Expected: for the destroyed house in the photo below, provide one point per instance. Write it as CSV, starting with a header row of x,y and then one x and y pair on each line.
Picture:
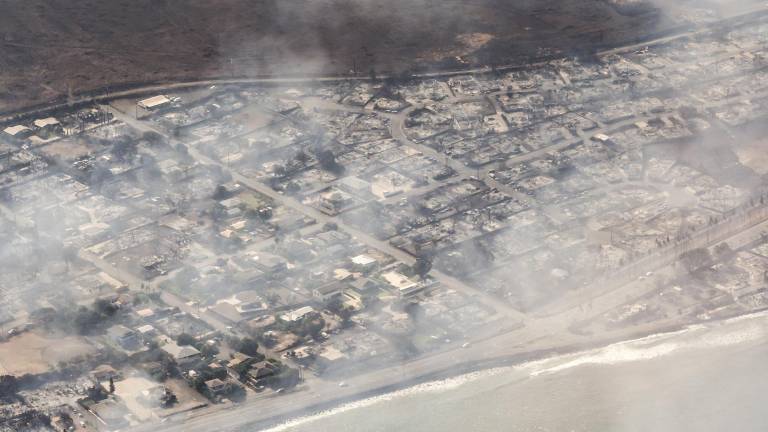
x,y
328,291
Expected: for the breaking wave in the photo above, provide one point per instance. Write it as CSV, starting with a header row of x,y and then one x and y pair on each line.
x,y
729,332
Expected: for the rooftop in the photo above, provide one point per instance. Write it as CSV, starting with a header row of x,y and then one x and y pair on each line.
x,y
398,280
180,352
120,331
297,314
154,101
15,130
363,260
49,121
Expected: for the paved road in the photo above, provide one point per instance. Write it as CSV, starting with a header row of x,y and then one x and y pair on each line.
x,y
321,218
550,328
397,130
134,283
545,331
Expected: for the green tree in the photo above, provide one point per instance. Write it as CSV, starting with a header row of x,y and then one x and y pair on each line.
x,y
220,193
9,386
105,308
153,138
422,266
723,251
279,171
284,378
186,339
248,346
312,326
336,305
327,161
302,157
696,259
124,149
209,351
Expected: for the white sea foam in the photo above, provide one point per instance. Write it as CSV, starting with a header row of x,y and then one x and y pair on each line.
x,y
698,336
729,332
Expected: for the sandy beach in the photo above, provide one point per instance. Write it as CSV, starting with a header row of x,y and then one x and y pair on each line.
x,y
507,350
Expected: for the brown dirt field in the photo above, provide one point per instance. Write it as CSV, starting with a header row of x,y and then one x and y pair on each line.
x,y
68,149
49,47
31,353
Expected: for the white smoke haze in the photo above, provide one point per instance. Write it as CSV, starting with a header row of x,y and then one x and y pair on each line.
x,y
517,257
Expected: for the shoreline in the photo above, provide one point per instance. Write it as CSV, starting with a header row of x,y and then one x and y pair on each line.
x,y
503,348
458,370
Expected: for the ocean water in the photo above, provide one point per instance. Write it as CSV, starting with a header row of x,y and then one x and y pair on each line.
x,y
711,377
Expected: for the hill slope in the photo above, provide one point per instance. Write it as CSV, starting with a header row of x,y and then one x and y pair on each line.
x,y
50,46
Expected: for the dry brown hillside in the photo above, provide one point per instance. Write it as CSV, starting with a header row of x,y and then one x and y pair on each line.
x,y
50,46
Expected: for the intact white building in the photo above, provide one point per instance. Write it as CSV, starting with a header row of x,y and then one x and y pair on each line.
x,y
402,284
46,123
18,131
183,355
364,262
155,102
297,314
